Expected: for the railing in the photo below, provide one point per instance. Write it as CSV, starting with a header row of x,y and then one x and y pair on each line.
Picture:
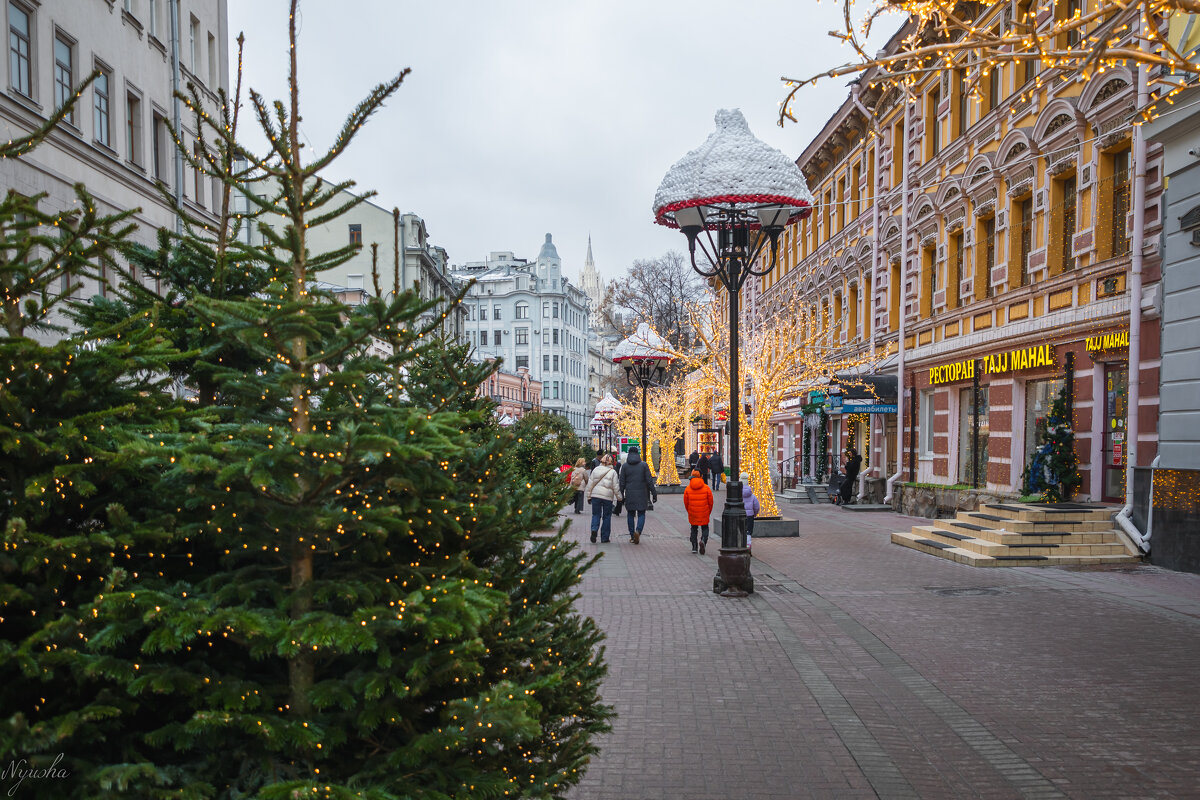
x,y
803,468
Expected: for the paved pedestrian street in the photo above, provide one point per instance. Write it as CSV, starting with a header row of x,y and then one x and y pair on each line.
x,y
864,669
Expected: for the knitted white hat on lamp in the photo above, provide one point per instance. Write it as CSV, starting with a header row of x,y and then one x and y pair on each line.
x,y
643,344
732,167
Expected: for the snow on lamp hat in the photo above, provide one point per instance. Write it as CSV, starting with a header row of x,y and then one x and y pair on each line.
x,y
733,168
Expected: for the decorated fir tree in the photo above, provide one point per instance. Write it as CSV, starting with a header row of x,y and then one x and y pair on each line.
x,y
318,580
1053,469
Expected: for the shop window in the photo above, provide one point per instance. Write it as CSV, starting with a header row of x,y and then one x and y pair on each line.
x,y
1039,398
973,446
925,411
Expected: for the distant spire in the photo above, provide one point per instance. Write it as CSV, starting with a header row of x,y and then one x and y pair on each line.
x,y
588,262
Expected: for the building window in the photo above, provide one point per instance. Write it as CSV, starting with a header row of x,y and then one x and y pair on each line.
x,y
19,50
928,259
993,87
159,147
523,361
1026,238
554,338
545,363
154,18
64,73
555,395
956,270
522,311
1115,190
354,281
985,258
545,391
554,310
483,313
194,45
925,431
545,336
1020,242
898,153
1062,217
545,311
133,128
212,61
496,312
355,234
483,339
556,364
962,108
933,128
1039,396
496,337
523,336
102,115
198,173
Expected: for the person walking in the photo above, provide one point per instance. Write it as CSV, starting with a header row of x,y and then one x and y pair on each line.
x,y
853,466
579,478
702,467
619,466
602,488
717,469
752,507
639,491
693,459
698,500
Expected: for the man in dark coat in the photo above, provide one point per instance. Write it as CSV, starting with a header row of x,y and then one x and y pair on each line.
x,y
853,466
717,468
639,489
693,459
702,467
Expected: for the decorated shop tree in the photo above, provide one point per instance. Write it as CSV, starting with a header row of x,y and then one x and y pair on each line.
x,y
1053,469
785,351
327,586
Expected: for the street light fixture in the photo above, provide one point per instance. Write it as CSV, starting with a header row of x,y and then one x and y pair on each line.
x,y
733,196
645,359
606,411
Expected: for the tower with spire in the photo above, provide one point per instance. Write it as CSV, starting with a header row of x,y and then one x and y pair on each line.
x,y
589,281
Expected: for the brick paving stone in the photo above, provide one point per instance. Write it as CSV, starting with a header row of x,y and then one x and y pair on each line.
x,y
864,669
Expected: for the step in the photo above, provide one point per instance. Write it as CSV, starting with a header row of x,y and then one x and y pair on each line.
x,y
1040,534
1021,547
1033,512
868,507
1029,526
955,552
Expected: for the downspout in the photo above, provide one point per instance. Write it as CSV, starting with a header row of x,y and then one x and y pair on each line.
x,y
176,112
869,299
902,294
1135,316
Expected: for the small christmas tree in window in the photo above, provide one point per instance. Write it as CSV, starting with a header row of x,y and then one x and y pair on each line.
x,y
1053,469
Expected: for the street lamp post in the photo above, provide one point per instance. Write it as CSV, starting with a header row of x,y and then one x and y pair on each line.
x,y
745,192
606,411
645,359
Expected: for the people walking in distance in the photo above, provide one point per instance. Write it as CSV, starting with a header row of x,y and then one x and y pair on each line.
x,y
751,504
639,490
693,459
853,466
717,469
579,478
602,488
702,467
698,500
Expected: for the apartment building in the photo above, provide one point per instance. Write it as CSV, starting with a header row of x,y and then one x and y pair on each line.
x,y
1003,273
116,141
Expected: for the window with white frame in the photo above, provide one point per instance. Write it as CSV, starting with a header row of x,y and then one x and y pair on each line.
x,y
102,107
64,72
522,310
20,50
133,127
523,336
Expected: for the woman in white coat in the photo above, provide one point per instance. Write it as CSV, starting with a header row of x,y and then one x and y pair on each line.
x,y
602,489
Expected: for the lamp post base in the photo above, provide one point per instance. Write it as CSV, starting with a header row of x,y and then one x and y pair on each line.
x,y
733,578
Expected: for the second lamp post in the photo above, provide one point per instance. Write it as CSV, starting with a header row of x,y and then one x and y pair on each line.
x,y
645,359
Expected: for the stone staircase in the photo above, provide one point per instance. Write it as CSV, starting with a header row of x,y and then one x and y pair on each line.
x,y
806,493
1024,535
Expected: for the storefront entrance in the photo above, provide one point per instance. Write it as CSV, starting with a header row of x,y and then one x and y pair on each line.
x,y
1116,410
972,448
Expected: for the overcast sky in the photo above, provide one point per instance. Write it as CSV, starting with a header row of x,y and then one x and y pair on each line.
x,y
541,116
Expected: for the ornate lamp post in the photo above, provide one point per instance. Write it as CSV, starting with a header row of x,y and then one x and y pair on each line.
x,y
645,360
606,411
733,196
598,431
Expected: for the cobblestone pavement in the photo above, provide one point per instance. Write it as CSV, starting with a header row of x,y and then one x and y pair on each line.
x,y
863,669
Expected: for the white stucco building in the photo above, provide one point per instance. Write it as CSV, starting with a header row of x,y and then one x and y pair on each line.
x,y
116,141
531,316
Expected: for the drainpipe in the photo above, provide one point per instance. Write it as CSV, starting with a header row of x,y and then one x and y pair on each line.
x,y
1135,316
900,290
176,111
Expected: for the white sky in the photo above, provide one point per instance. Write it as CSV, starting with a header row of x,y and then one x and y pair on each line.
x,y
530,117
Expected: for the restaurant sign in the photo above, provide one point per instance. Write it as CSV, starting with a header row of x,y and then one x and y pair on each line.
x,y
1041,355
1107,341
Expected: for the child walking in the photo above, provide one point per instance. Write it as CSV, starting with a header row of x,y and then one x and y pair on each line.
x,y
698,500
751,504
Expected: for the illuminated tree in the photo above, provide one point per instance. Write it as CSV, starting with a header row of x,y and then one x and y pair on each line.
x,y
942,34
784,352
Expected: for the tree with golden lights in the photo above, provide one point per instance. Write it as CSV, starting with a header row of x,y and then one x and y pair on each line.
x,y
945,34
316,581
783,353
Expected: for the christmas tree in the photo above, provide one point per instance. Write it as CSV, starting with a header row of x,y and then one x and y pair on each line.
x,y
321,583
1053,469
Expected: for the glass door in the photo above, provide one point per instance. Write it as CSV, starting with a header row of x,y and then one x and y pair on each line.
x,y
972,451
1116,388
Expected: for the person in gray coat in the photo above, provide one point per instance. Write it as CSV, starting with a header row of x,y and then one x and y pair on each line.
x,y
639,489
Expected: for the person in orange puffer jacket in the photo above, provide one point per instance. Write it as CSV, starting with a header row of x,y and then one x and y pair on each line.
x,y
698,500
